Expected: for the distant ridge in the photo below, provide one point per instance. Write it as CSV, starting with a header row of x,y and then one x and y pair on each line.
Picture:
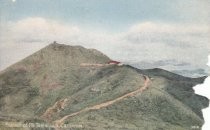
x,y
63,84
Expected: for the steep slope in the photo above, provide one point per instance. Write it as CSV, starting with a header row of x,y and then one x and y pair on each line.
x,y
63,84
180,87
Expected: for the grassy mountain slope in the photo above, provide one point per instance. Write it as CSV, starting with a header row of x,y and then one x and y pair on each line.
x,y
52,84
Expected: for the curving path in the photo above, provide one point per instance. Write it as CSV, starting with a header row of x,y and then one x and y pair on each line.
x,y
105,104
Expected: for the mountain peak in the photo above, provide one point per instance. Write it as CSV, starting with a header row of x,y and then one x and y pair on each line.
x,y
68,84
77,51
58,46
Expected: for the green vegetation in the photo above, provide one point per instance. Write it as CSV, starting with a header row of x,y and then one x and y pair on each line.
x,y
38,84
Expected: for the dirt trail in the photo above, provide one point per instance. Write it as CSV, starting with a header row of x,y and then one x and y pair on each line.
x,y
105,104
92,65
97,65
56,108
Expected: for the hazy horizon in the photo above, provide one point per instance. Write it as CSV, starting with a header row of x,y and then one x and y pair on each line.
x,y
145,34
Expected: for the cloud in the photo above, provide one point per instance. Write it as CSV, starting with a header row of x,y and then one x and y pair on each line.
x,y
172,34
151,27
161,41
21,38
40,29
208,61
150,42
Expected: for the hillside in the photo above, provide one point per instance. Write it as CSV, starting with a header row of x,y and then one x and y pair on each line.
x,y
72,85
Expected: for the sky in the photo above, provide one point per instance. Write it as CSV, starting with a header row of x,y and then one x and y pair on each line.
x,y
169,34
172,35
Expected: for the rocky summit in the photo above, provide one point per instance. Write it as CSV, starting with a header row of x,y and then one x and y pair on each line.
x,y
71,87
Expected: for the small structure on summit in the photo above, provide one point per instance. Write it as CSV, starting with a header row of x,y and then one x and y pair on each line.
x,y
112,62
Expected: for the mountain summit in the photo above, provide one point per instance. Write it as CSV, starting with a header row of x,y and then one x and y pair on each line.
x,y
80,88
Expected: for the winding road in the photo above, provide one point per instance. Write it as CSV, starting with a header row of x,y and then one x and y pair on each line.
x,y
61,121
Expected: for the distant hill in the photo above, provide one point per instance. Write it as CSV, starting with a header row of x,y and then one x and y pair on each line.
x,y
62,84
